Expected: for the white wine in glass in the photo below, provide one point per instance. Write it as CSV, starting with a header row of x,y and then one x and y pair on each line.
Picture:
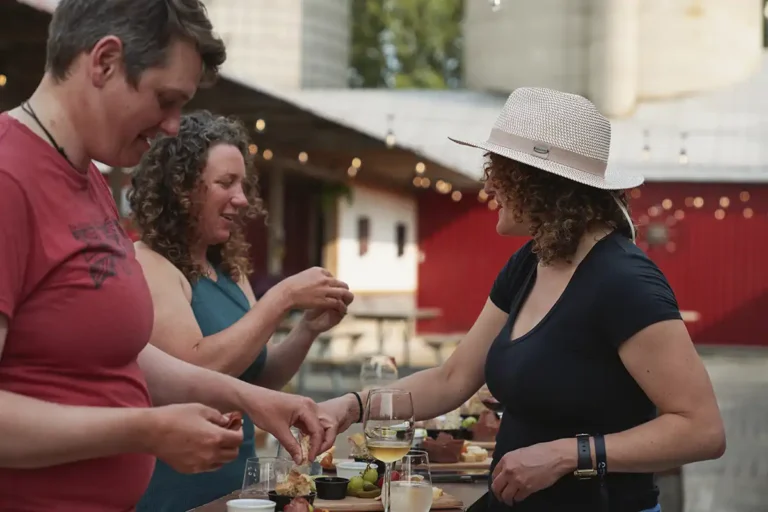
x,y
413,492
388,426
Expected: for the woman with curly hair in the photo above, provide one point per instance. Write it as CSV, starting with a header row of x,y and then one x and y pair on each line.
x,y
191,196
581,338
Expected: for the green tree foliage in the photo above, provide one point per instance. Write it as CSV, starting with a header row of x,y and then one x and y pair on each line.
x,y
406,43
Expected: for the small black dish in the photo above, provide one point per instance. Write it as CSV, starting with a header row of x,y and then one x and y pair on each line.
x,y
283,501
331,487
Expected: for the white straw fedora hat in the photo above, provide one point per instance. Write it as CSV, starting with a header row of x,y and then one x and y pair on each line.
x,y
556,132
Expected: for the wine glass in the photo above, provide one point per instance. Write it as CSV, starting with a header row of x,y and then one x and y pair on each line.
x,y
413,492
377,372
262,474
388,426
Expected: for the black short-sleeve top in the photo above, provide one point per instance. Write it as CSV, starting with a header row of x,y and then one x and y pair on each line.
x,y
564,377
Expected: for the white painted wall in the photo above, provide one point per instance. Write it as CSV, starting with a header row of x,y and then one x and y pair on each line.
x,y
380,270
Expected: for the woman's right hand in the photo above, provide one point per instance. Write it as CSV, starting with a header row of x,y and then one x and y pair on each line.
x,y
316,288
192,438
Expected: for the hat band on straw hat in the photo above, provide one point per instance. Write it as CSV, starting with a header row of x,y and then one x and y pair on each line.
x,y
549,152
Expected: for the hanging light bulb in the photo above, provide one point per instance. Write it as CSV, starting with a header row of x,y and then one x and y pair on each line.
x,y
390,138
683,158
420,168
260,125
3,80
646,147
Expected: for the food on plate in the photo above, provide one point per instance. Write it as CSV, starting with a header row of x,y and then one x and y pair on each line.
x,y
357,446
443,449
298,505
371,475
473,453
472,407
450,421
468,422
486,427
325,459
395,477
359,488
296,484
436,493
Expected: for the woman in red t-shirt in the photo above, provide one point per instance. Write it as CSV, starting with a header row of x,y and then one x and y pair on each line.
x,y
77,376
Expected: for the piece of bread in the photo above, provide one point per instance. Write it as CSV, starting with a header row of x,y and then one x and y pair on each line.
x,y
304,441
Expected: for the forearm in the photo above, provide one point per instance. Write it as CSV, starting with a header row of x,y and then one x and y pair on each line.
x,y
234,349
171,380
667,442
36,434
434,392
285,358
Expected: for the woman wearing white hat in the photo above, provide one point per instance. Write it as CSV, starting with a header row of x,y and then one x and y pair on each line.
x,y
581,337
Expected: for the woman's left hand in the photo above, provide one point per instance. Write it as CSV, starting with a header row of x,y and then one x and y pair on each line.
x,y
321,319
523,472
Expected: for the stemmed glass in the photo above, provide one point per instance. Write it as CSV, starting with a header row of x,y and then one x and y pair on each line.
x,y
388,425
377,372
413,492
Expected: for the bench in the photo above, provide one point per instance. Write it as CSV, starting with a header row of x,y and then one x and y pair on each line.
x,y
437,341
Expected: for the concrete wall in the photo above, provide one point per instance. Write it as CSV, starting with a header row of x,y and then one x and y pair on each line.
x,y
616,52
287,43
380,270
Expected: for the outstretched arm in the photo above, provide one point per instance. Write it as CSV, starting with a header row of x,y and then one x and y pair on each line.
x,y
172,380
437,390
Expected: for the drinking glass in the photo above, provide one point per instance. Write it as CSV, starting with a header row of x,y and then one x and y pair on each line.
x,y
262,474
312,469
413,492
388,426
489,401
377,372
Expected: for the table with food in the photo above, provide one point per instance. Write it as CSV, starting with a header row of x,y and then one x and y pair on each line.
x,y
439,464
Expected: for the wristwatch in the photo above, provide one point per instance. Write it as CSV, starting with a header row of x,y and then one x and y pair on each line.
x,y
584,469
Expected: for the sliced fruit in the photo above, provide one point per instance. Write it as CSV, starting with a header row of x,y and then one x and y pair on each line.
x,y
367,495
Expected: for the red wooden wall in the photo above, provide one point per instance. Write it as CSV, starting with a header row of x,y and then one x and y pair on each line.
x,y
301,195
717,267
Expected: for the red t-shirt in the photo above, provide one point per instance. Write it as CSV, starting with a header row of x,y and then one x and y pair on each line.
x,y
80,312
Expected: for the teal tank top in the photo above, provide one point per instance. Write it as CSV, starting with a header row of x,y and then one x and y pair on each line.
x,y
216,305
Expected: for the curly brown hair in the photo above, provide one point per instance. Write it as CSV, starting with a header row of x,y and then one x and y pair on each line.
x,y
163,186
557,210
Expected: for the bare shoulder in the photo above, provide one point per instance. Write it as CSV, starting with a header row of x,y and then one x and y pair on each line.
x,y
159,271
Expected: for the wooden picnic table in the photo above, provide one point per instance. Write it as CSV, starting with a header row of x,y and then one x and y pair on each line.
x,y
408,317
468,493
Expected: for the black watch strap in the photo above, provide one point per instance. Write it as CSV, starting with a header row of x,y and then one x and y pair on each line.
x,y
602,469
600,457
584,467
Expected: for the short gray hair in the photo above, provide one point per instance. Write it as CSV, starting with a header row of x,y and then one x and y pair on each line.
x,y
146,28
